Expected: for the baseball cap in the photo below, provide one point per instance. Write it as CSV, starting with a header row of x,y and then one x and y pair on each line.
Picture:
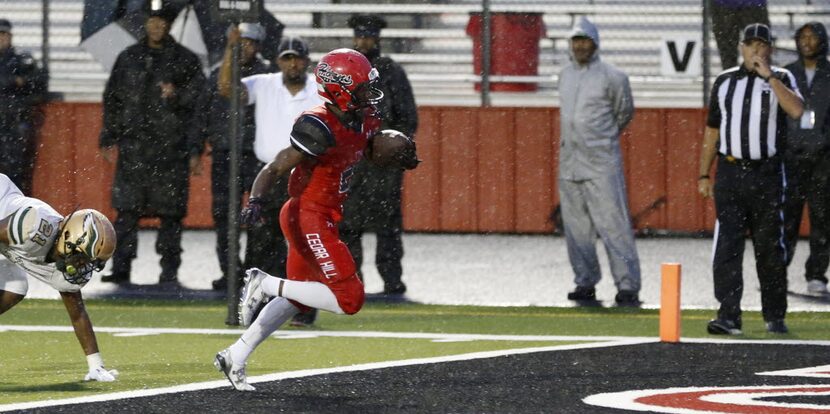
x,y
367,25
757,31
5,26
292,45
252,31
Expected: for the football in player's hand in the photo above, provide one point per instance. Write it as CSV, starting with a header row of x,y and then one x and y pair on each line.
x,y
393,149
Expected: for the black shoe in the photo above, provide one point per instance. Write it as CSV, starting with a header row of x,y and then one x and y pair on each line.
x,y
305,319
117,278
168,276
170,284
627,298
398,288
583,293
724,327
220,284
777,327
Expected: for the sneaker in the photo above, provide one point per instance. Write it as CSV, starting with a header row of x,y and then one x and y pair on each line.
x,y
117,278
777,327
235,374
724,327
394,289
627,298
220,284
583,293
817,288
304,319
252,297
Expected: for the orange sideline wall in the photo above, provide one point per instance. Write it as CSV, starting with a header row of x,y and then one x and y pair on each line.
x,y
484,170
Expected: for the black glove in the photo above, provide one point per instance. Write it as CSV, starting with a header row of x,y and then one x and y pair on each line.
x,y
408,158
252,213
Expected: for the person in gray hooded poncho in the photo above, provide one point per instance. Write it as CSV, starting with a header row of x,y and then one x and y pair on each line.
x,y
596,105
807,156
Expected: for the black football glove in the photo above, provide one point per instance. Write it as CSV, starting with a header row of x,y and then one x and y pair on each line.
x,y
252,213
408,158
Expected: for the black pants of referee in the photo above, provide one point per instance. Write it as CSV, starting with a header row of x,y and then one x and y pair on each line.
x,y
749,196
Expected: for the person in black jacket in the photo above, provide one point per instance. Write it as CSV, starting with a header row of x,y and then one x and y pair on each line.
x,y
23,85
375,200
807,156
216,117
149,105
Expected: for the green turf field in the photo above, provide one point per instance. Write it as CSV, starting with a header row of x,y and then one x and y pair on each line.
x,y
50,365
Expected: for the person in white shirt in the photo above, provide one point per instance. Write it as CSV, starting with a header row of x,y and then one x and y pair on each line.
x,y
278,98
62,252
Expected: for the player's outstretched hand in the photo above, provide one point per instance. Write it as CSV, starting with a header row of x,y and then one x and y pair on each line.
x,y
101,374
252,213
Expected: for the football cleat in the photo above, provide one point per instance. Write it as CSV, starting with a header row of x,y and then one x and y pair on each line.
x,y
252,297
235,374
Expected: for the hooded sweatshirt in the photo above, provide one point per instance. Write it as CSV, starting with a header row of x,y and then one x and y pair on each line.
x,y
802,140
595,105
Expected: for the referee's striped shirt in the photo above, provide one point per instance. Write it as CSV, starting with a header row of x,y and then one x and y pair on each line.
x,y
751,124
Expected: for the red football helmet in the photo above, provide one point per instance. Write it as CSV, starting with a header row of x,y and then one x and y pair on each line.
x,y
346,79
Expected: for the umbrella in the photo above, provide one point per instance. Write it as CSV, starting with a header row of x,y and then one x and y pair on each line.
x,y
109,26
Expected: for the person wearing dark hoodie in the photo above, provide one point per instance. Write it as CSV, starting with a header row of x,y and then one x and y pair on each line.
x,y
807,156
150,102
596,105
374,203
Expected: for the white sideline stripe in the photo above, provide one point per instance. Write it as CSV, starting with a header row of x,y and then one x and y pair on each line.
x,y
409,335
341,334
310,372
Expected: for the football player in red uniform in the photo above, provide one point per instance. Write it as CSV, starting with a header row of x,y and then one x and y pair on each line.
x,y
326,142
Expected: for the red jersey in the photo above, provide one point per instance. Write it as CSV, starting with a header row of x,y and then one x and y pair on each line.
x,y
335,148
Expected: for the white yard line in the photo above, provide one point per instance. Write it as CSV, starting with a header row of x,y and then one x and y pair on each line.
x,y
438,337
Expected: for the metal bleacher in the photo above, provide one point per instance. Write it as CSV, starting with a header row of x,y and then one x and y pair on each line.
x,y
428,38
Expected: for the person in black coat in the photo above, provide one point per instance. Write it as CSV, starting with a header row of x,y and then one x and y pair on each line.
x,y
149,105
216,123
23,85
807,156
374,203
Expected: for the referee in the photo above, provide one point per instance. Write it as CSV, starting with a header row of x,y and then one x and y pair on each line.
x,y
746,129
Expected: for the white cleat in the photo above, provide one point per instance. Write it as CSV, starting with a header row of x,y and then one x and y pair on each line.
x,y
235,374
817,288
252,297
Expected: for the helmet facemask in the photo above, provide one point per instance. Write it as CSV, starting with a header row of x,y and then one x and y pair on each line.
x,y
86,242
367,95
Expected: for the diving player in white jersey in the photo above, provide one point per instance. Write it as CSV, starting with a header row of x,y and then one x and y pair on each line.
x,y
61,252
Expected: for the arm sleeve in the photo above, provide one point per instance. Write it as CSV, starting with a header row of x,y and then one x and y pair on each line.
x,y
187,94
36,79
31,230
623,101
404,110
113,105
311,136
251,84
190,97
789,80
714,117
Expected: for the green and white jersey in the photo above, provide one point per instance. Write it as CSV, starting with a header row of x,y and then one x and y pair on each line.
x,y
32,231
